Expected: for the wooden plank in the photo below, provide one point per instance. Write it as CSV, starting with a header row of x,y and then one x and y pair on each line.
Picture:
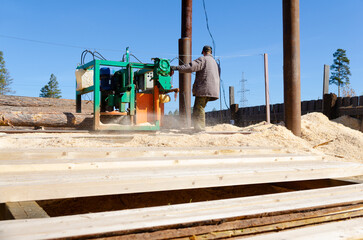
x,y
354,101
124,220
319,105
24,210
246,226
346,101
41,165
311,106
349,229
102,152
351,111
275,226
24,186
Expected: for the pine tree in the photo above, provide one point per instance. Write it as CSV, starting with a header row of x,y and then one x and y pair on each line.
x,y
51,90
5,79
340,69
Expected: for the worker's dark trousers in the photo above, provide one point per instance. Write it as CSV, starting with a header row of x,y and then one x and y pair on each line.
x,y
199,113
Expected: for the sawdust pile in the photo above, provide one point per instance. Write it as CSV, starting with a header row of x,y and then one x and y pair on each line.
x,y
349,122
319,135
333,138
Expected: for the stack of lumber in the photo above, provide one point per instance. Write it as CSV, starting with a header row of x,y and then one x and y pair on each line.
x,y
31,175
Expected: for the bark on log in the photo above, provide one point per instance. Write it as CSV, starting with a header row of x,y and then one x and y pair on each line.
x,y
67,105
4,109
46,119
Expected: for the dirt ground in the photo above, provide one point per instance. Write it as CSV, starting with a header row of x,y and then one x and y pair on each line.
x,y
71,206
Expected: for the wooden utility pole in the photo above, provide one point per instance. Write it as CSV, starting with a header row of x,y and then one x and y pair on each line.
x,y
267,95
292,94
231,95
326,79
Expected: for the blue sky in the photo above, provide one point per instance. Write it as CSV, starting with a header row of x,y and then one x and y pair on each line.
x,y
243,30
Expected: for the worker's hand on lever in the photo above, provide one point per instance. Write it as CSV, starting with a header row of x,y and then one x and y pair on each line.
x,y
172,68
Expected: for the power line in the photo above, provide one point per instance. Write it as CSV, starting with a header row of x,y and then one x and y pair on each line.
x,y
56,44
114,50
210,34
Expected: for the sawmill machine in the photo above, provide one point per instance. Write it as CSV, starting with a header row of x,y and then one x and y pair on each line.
x,y
127,95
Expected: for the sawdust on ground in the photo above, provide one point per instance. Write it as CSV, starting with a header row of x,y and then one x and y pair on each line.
x,y
319,135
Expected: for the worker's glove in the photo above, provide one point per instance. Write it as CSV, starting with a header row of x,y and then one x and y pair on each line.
x,y
172,69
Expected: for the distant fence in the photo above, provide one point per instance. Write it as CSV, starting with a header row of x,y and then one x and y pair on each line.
x,y
331,106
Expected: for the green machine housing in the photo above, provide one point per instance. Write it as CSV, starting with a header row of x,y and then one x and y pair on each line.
x,y
115,91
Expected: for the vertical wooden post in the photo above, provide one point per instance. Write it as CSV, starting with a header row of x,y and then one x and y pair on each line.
x,y
326,80
267,95
231,95
292,91
234,114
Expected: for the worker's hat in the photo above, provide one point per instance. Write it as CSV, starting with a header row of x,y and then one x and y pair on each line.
x,y
207,48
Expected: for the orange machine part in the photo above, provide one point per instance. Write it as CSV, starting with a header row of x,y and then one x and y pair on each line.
x,y
145,103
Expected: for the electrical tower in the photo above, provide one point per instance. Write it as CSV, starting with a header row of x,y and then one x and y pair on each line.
x,y
243,99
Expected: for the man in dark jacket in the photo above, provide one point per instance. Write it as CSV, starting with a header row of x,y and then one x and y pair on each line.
x,y
206,84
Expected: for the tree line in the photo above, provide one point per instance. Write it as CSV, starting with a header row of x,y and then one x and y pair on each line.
x,y
50,90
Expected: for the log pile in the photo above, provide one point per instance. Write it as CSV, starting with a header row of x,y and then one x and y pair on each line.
x,y
45,112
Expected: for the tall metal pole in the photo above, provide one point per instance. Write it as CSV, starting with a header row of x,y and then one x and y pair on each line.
x,y
267,94
292,95
185,56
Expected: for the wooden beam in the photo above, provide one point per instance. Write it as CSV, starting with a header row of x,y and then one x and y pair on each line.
x,y
23,210
133,219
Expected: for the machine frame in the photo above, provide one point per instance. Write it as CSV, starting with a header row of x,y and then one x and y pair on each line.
x,y
96,65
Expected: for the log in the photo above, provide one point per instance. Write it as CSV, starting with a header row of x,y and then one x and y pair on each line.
x,y
46,119
67,105
53,109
